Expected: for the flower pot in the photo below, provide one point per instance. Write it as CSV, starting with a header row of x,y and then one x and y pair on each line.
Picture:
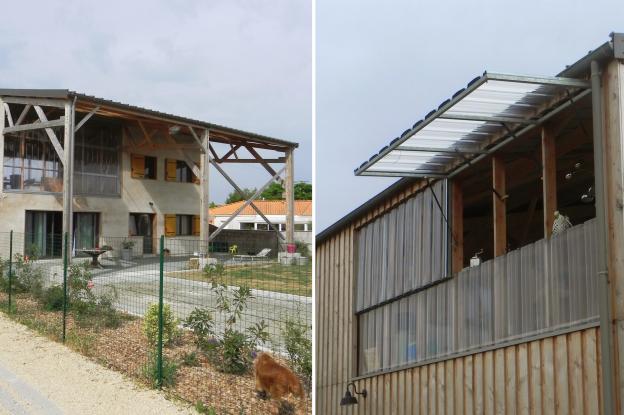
x,y
126,254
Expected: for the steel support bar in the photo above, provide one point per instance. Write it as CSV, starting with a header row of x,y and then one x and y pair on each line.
x,y
36,126
602,247
467,117
540,80
240,192
422,175
247,203
289,195
161,282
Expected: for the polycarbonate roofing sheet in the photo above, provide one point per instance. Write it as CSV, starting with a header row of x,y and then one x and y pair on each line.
x,y
491,107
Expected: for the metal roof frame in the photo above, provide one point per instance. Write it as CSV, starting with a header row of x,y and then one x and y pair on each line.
x,y
475,122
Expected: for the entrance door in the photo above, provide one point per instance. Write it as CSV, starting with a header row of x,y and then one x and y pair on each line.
x,y
142,224
43,234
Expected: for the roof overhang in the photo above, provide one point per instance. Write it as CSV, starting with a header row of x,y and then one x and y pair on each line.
x,y
108,107
477,119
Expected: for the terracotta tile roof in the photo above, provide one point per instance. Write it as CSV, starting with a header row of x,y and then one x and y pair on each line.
x,y
268,207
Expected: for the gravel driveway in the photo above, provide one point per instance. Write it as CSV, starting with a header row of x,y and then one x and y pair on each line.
x,y
39,376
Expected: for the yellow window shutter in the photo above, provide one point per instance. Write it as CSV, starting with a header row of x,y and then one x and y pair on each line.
x,y
170,225
170,170
138,166
196,225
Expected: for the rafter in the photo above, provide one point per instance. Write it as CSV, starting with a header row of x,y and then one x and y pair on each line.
x,y
86,118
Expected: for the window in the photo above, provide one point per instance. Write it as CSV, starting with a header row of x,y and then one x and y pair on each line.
x,y
300,227
143,167
247,226
262,226
181,225
31,163
96,159
179,171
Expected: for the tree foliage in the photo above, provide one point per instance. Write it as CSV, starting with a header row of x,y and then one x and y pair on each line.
x,y
234,196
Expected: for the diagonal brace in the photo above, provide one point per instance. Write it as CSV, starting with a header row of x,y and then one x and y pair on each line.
x,y
55,142
247,203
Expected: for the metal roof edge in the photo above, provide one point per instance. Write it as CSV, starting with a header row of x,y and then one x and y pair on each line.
x,y
66,93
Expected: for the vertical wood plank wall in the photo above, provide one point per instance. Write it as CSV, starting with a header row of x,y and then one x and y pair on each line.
x,y
553,375
559,375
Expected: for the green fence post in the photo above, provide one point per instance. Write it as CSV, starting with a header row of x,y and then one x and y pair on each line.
x,y
10,268
65,254
160,311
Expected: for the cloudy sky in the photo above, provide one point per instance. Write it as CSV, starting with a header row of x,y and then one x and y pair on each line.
x,y
381,66
243,64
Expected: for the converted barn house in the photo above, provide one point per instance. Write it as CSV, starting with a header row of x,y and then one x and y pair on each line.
x,y
490,277
133,172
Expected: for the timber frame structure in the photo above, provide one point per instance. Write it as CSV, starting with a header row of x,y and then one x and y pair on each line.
x,y
536,325
61,113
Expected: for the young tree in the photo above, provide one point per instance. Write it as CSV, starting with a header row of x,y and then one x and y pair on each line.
x,y
303,191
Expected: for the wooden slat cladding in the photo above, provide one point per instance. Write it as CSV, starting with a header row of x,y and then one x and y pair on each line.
x,y
558,374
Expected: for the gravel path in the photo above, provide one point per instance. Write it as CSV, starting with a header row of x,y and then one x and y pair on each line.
x,y
39,376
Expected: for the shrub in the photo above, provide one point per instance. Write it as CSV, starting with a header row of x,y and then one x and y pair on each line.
x,y
201,322
299,347
231,351
169,370
214,270
302,248
27,277
52,298
190,359
78,281
203,409
150,324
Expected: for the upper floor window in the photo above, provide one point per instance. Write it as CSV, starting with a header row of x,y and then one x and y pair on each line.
x,y
144,167
179,171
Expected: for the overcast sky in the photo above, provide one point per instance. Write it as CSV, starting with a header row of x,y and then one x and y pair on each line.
x,y
243,64
382,66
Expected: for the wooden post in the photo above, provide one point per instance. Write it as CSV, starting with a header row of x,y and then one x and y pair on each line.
x,y
289,194
1,146
68,175
457,223
549,179
204,205
499,196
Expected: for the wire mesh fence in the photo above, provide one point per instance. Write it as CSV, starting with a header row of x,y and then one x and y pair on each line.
x,y
184,318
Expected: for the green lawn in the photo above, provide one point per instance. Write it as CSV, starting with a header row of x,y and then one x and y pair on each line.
x,y
290,279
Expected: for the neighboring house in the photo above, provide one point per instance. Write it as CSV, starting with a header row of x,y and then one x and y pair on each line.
x,y
458,289
137,173
274,210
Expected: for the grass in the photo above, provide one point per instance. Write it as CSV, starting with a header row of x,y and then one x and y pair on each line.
x,y
289,279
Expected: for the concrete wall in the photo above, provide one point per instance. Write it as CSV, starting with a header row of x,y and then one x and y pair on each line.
x,y
136,195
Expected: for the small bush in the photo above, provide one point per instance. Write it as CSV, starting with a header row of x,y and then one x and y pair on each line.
x,y
52,298
27,276
203,409
169,370
150,324
302,248
81,342
299,347
214,270
190,359
201,322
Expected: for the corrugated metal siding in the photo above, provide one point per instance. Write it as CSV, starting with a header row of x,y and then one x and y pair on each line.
x,y
552,375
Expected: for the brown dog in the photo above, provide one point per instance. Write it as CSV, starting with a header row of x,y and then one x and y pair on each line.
x,y
275,379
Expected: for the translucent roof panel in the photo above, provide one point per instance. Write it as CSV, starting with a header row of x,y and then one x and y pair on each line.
x,y
490,108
